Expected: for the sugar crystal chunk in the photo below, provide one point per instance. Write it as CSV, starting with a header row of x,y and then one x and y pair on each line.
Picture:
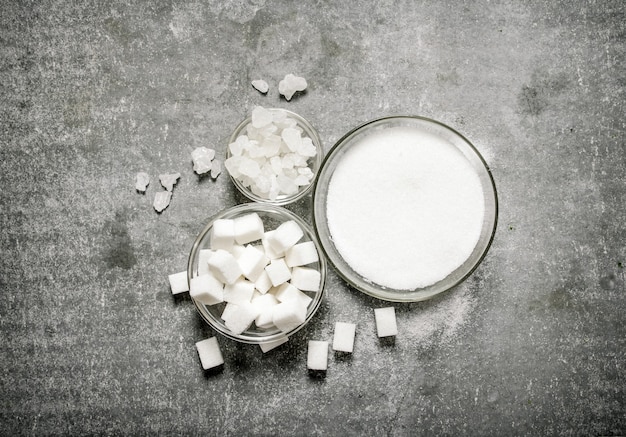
x,y
142,180
162,200
201,158
216,168
209,353
261,117
290,85
261,86
169,180
292,138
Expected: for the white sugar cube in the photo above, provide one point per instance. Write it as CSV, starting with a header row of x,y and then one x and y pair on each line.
x,y
224,266
203,261
223,234
206,289
288,292
343,340
278,271
248,228
252,262
386,321
239,292
241,317
265,304
237,250
263,282
178,282
269,251
301,254
209,353
305,278
229,310
268,346
285,236
288,315
317,355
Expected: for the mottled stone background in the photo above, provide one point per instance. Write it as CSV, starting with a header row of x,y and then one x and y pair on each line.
x,y
91,92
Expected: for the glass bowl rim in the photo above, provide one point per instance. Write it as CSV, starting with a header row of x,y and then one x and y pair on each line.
x,y
317,160
235,211
386,293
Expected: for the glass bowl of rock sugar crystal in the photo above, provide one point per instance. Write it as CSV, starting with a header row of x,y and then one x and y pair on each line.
x,y
405,208
273,156
256,273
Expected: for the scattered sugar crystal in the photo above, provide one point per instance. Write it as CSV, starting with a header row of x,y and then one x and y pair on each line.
x,y
142,180
201,158
216,168
261,86
290,85
169,180
343,339
162,200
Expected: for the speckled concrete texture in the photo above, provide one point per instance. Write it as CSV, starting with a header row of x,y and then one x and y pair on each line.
x,y
92,92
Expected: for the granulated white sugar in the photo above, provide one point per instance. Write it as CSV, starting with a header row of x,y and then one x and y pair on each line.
x,y
405,208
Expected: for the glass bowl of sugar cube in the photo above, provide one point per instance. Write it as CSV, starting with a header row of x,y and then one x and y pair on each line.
x,y
273,156
256,273
405,208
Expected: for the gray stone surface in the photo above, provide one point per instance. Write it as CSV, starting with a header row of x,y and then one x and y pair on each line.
x,y
533,343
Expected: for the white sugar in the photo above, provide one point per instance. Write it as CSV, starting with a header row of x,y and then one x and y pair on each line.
x,y
405,208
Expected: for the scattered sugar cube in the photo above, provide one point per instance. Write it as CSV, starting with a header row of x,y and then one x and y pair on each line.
x,y
317,355
261,86
209,353
241,317
386,321
301,254
223,234
203,261
224,266
169,180
278,272
201,158
239,291
206,289
162,200
248,228
343,340
142,180
305,278
268,346
290,85
288,315
288,292
178,282
252,262
285,236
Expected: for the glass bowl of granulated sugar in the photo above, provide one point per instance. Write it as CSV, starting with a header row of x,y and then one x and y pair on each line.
x,y
405,208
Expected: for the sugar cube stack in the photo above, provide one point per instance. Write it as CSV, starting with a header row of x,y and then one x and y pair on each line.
x,y
263,278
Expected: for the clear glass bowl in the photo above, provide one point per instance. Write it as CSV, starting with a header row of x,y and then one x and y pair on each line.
x,y
320,195
314,162
272,217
